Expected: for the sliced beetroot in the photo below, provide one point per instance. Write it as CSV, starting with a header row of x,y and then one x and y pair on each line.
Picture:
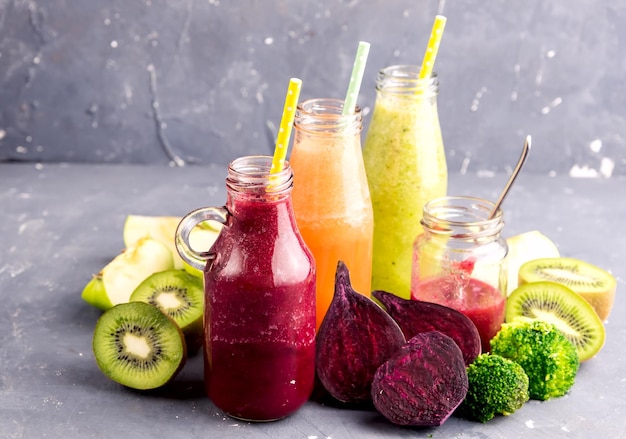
x,y
416,316
355,337
422,383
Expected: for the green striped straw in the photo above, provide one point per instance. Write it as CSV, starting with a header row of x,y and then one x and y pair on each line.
x,y
349,104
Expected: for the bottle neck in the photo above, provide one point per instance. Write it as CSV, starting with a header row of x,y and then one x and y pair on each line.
x,y
462,219
322,116
249,179
404,81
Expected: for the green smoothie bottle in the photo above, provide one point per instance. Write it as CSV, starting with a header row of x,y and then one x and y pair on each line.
x,y
406,167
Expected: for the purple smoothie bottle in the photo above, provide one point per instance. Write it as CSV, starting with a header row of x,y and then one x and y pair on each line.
x,y
259,277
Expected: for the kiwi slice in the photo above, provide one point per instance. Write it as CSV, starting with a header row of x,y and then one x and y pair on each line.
x,y
595,285
138,346
179,295
557,304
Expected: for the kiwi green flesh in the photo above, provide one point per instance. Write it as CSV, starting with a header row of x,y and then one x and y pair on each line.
x,y
138,346
575,274
176,293
564,308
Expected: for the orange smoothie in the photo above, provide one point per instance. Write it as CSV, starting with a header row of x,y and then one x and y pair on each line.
x,y
331,198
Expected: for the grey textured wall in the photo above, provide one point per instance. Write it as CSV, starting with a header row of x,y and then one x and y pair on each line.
x,y
129,80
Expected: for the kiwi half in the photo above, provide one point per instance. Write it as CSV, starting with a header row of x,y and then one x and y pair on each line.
x,y
595,285
179,295
557,304
138,346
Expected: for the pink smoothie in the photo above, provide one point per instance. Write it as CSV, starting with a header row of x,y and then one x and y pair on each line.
x,y
482,303
260,314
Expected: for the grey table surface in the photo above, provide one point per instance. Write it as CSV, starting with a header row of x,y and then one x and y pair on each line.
x,y
60,223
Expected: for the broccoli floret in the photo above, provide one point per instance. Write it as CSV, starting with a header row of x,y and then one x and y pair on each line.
x,y
497,385
549,359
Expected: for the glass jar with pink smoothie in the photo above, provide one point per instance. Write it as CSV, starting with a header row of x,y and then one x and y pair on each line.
x,y
459,261
259,278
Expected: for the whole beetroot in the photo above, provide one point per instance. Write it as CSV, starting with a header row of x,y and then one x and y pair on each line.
x,y
422,383
355,337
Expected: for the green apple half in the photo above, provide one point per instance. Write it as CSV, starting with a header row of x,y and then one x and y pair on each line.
x,y
163,229
523,248
118,279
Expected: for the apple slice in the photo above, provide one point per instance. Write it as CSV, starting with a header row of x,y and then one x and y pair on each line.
x,y
526,247
201,239
163,229
118,279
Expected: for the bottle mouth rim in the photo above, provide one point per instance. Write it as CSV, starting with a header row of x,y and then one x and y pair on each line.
x,y
326,115
404,79
324,106
462,217
252,174
405,70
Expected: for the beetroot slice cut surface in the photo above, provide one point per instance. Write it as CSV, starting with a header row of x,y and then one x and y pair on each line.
x,y
415,317
354,339
423,383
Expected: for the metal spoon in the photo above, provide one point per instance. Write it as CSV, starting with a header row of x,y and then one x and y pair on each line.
x,y
467,266
513,176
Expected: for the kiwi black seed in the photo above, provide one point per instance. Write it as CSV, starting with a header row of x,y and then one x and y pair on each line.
x,y
179,295
561,306
138,346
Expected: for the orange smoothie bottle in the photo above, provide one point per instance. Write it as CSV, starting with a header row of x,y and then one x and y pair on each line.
x,y
331,197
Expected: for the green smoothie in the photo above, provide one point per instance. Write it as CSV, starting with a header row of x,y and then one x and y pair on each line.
x,y
406,167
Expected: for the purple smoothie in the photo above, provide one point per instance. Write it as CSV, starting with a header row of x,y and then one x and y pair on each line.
x,y
260,312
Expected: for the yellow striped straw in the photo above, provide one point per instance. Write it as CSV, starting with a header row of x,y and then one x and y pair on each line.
x,y
433,47
286,124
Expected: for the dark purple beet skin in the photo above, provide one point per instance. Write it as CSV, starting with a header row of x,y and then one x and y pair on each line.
x,y
422,383
415,317
354,339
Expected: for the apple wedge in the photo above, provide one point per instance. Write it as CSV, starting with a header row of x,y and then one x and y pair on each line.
x,y
526,247
163,229
118,279
201,239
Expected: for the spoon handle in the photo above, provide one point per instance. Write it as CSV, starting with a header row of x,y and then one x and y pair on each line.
x,y
518,167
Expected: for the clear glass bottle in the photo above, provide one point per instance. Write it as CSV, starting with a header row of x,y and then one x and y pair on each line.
x,y
406,167
331,198
260,296
459,261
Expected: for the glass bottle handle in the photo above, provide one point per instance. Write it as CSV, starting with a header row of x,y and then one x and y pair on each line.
x,y
195,258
